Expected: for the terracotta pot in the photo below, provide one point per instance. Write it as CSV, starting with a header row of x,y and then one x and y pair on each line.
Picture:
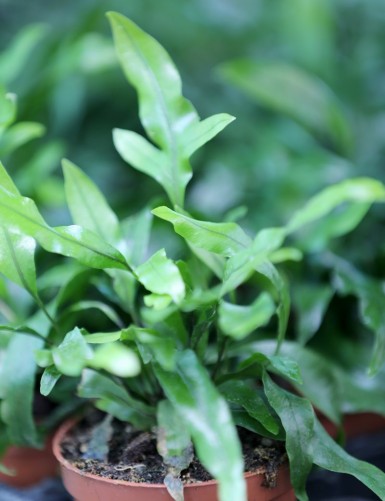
x,y
85,486
31,466
355,424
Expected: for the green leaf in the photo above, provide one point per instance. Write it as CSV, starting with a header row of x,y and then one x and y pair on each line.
x,y
6,182
161,276
357,190
290,90
225,239
250,399
209,421
21,215
137,232
284,366
117,359
329,455
72,354
17,259
109,312
297,418
17,385
239,321
371,296
7,109
18,135
88,205
162,348
102,337
115,399
169,119
49,379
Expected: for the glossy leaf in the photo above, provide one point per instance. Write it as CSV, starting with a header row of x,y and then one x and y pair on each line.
x,y
297,418
243,395
225,239
239,321
88,205
72,354
17,385
161,276
209,421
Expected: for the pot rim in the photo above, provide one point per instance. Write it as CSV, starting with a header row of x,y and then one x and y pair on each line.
x,y
70,423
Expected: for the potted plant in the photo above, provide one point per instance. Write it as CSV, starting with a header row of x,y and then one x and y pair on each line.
x,y
183,366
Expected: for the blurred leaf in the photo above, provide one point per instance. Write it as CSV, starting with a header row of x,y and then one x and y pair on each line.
x,y
109,312
311,303
114,398
18,135
293,91
17,385
7,109
297,418
161,276
225,239
72,354
102,337
48,380
371,296
239,321
284,366
137,231
116,359
209,421
250,399
88,205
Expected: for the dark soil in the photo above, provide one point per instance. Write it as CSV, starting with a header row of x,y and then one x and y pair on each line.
x,y
133,456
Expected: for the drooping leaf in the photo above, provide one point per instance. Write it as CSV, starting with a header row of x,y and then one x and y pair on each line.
x,y
72,354
239,321
225,239
17,384
209,421
161,276
88,205
297,418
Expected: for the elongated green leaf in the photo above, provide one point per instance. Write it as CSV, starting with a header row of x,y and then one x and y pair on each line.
x,y
19,134
208,418
284,366
17,385
72,354
7,109
329,455
114,398
169,119
297,418
357,190
17,259
242,394
137,231
6,182
225,239
239,321
88,205
370,293
49,379
109,312
162,348
161,276
20,214
103,337
305,98
117,359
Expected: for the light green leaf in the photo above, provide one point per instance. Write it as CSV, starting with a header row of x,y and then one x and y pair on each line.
x,y
6,182
225,239
17,385
357,190
18,135
137,232
161,276
209,421
297,418
115,399
72,354
88,205
21,215
7,109
48,380
102,337
239,321
243,395
117,359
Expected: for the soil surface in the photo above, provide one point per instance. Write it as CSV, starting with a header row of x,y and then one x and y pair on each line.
x,y
133,455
